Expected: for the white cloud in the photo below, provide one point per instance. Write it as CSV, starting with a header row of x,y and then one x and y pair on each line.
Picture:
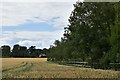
x,y
16,13
29,38
39,0
38,35
39,44
30,43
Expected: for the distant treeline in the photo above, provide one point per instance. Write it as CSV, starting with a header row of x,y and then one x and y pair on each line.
x,y
92,35
22,51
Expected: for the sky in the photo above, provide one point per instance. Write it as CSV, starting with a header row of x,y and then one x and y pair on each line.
x,y
33,22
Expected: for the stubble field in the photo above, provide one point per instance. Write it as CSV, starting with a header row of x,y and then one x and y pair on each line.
x,y
40,68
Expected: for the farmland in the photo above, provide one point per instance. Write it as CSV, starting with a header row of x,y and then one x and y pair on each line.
x,y
41,68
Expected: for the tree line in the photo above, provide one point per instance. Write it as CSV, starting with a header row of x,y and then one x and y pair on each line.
x,y
22,51
92,35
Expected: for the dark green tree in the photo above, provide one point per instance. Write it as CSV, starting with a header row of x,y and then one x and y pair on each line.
x,y
5,51
32,52
57,42
16,50
112,58
115,36
90,29
23,52
87,37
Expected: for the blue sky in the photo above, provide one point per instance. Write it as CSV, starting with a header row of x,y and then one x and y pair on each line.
x,y
31,23
30,26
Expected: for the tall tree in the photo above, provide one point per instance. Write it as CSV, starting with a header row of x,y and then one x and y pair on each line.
x,y
32,51
5,51
90,29
57,42
87,36
16,50
23,52
115,36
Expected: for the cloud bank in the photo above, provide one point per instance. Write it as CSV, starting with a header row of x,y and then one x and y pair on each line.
x,y
14,13
28,38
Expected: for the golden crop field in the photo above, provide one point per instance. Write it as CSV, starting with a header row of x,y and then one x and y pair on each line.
x,y
40,68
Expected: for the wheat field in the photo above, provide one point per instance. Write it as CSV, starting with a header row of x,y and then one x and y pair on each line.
x,y
41,68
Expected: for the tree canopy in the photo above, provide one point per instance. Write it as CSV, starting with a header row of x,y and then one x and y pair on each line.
x,y
22,51
92,35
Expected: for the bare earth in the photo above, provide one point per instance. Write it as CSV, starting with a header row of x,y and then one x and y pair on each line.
x,y
40,68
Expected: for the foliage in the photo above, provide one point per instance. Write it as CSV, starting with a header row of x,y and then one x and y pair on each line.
x,y
5,51
93,35
22,51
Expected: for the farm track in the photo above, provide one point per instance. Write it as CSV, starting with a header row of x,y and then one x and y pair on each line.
x,y
16,66
25,66
28,67
18,70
